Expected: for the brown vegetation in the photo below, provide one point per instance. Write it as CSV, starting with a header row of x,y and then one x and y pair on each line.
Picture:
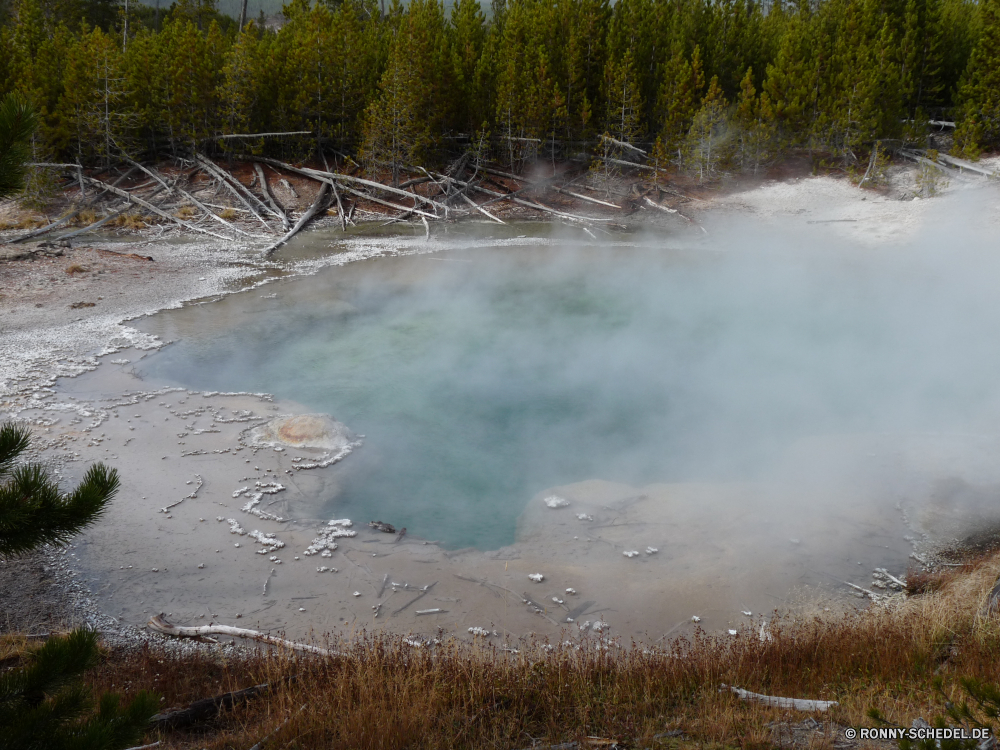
x,y
389,694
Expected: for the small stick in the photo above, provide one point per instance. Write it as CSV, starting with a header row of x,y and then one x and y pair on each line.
x,y
381,591
416,598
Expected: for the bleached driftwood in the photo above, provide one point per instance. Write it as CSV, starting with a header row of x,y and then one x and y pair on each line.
x,y
798,704
46,229
623,144
235,187
262,135
962,164
303,220
160,624
210,213
150,207
346,179
266,189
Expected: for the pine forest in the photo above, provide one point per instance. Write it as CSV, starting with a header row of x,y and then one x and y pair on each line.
x,y
697,85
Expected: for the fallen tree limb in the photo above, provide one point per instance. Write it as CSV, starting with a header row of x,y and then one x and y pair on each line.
x,y
372,198
266,189
46,229
622,144
798,704
636,165
150,207
962,164
343,178
235,187
208,708
160,624
260,135
586,198
101,222
480,209
211,213
151,173
303,220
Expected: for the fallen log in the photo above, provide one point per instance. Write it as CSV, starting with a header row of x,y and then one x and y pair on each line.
x,y
343,178
208,708
962,164
480,209
151,173
303,220
160,624
266,189
211,213
150,207
101,222
372,198
261,135
235,187
46,229
798,704
636,165
622,144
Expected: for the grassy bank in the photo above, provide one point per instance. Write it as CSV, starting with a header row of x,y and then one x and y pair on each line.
x,y
389,694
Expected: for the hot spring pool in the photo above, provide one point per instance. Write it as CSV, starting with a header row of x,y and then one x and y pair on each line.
x,y
484,374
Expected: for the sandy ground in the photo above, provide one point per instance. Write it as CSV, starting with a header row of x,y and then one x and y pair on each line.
x,y
180,540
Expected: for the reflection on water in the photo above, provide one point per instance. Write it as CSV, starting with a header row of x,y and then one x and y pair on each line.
x,y
483,375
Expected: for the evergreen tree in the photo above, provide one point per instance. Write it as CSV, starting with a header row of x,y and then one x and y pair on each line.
x,y
704,148
43,706
980,89
679,95
755,131
17,125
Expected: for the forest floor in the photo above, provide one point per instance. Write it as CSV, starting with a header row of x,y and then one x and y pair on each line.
x,y
64,310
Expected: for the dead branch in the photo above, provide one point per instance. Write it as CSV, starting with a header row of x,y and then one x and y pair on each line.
x,y
798,704
160,624
266,189
46,229
151,173
211,213
585,198
414,600
636,165
303,220
150,207
480,209
261,135
235,187
622,144
208,708
343,178
101,222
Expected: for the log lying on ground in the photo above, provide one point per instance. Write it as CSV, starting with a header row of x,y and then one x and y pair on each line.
x,y
160,624
101,222
305,219
962,164
150,207
346,179
266,189
211,213
46,229
208,708
235,187
798,704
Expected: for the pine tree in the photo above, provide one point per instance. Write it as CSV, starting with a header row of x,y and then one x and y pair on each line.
x,y
755,131
17,125
980,90
43,706
680,92
467,36
704,148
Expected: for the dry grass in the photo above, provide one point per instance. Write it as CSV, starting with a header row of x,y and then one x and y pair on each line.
x,y
76,268
86,217
229,214
387,694
186,212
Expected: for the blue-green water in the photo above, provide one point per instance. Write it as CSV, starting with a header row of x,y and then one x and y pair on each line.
x,y
483,376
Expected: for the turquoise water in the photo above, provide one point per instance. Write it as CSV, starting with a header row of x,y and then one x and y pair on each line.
x,y
483,376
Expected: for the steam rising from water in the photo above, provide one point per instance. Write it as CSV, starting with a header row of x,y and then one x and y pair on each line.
x,y
485,375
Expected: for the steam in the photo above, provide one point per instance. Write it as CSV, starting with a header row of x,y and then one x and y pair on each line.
x,y
774,353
